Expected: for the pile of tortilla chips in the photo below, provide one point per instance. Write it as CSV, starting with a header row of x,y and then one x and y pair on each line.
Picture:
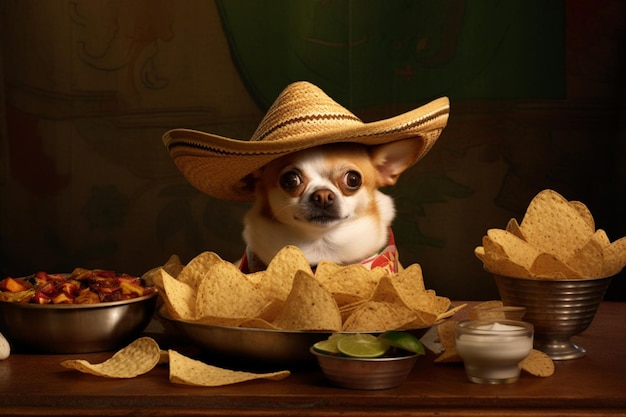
x,y
288,295
556,239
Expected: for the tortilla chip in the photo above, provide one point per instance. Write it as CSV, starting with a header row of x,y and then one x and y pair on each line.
x,y
193,273
614,257
179,297
326,268
410,280
309,307
509,246
513,227
479,252
549,266
502,265
378,316
138,358
347,299
538,364
173,266
554,226
451,312
588,260
281,271
583,213
347,309
187,371
447,338
355,280
258,323
226,293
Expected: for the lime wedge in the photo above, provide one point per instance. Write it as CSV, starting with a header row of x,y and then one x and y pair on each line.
x,y
361,345
403,340
328,346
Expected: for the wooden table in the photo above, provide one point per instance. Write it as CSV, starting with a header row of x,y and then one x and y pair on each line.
x,y
590,386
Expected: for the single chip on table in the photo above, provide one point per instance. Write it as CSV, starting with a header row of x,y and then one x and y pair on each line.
x,y
188,371
138,358
538,363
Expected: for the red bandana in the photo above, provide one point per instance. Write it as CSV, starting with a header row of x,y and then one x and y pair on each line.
x,y
387,259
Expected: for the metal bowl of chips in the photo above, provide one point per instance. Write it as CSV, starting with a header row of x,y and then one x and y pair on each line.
x,y
253,345
248,344
365,373
557,308
75,328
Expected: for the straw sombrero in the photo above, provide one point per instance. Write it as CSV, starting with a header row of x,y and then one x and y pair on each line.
x,y
302,117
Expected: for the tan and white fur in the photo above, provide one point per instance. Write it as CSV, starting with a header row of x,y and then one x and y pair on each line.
x,y
326,201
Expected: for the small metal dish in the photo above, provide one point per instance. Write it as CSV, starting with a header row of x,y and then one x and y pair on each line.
x,y
365,373
75,328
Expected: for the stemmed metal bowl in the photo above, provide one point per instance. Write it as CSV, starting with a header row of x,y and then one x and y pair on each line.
x,y
557,308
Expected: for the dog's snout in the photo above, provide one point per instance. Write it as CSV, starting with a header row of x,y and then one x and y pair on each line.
x,y
323,198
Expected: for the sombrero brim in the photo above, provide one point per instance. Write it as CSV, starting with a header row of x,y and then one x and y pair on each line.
x,y
216,165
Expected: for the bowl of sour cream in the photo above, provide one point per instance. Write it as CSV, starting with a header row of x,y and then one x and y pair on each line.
x,y
492,349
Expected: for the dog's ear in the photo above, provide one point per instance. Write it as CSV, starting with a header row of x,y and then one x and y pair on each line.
x,y
392,159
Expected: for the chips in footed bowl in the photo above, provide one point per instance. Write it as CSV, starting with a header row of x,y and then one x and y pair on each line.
x,y
556,239
556,265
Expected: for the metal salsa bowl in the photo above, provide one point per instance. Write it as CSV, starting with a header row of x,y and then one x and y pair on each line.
x,y
75,328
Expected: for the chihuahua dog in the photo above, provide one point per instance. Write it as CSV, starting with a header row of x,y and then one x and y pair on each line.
x,y
326,201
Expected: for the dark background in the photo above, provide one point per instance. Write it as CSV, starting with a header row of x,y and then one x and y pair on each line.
x,y
87,89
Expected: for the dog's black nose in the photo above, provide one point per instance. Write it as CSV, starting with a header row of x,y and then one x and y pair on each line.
x,y
323,198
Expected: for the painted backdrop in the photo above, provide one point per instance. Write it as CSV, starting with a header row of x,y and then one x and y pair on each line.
x,y
88,89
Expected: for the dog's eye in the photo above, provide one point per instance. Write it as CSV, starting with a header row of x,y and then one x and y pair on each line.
x,y
353,180
290,180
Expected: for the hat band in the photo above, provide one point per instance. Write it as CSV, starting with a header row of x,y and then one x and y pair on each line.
x,y
304,120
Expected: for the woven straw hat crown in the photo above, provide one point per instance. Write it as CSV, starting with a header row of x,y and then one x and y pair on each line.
x,y
303,110
301,117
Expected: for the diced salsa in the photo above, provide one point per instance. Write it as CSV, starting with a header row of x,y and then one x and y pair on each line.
x,y
82,286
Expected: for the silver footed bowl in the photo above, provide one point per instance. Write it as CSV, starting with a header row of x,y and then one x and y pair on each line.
x,y
557,308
